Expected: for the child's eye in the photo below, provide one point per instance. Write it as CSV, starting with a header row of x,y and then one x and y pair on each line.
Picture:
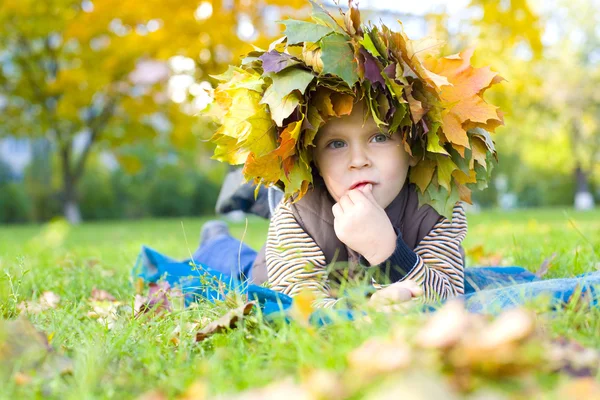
x,y
379,138
336,144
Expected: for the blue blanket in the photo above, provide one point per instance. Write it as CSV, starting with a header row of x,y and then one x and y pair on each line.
x,y
225,266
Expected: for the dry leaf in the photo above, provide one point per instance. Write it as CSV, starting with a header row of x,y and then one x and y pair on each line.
x,y
303,307
227,321
196,391
377,356
511,326
446,327
584,388
545,266
23,346
412,386
157,299
22,379
47,300
285,389
101,295
153,395
323,384
570,357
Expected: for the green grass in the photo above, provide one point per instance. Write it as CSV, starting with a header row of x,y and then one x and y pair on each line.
x,y
138,355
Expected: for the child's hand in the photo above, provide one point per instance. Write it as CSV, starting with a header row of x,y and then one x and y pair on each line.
x,y
396,293
361,224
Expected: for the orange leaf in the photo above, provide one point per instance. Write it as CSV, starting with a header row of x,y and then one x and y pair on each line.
x,y
464,103
464,193
267,167
342,103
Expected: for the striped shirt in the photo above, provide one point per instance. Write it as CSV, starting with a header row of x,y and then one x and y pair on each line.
x,y
296,263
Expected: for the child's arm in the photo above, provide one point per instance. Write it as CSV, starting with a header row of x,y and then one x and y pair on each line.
x,y
436,263
294,261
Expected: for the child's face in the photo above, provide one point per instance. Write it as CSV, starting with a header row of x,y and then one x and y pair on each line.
x,y
349,155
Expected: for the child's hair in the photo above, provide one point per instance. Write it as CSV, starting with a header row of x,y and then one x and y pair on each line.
x,y
273,105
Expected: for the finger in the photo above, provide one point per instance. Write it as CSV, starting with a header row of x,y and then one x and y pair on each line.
x,y
401,295
337,210
346,203
412,286
368,192
357,197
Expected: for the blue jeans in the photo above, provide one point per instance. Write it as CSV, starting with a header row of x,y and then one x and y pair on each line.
x,y
224,263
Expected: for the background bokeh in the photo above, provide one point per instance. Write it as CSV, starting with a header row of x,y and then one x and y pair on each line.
x,y
102,101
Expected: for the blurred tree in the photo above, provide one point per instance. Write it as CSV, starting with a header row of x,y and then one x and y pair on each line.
x,y
88,74
550,57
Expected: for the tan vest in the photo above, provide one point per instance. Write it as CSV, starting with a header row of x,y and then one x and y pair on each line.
x,y
314,215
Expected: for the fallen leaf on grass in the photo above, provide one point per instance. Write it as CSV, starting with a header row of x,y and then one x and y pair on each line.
x,y
378,355
22,346
157,299
196,391
22,379
189,327
413,386
285,389
446,327
323,384
227,321
303,307
47,300
106,312
583,388
545,266
153,395
101,295
572,358
482,258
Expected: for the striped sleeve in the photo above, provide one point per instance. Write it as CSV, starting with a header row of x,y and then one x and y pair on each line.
x,y
439,267
294,261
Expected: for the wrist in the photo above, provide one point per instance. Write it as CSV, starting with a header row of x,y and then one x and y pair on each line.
x,y
384,250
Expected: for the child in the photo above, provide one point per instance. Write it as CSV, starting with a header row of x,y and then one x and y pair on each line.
x,y
362,209
372,139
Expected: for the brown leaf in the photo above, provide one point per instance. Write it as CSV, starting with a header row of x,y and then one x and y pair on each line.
x,y
584,388
446,327
157,300
570,357
153,395
545,266
323,384
352,20
101,295
285,389
47,300
227,321
23,346
196,391
511,326
22,379
377,356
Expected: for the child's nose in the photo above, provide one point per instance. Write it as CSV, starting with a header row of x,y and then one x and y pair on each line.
x,y
359,158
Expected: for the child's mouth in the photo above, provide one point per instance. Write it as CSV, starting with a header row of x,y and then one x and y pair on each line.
x,y
360,185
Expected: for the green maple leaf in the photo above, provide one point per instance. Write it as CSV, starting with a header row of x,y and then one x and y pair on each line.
x,y
285,93
439,198
302,31
338,58
368,44
290,79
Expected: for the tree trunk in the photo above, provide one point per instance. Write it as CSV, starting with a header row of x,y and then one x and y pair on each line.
x,y
584,200
70,205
